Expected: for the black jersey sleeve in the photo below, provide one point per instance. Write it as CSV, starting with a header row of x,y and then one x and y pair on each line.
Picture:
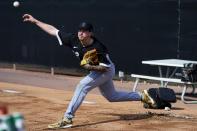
x,y
103,55
65,38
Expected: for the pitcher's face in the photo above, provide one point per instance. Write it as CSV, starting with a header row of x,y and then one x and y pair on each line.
x,y
83,35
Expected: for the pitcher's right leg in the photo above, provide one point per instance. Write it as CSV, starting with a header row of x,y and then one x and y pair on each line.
x,y
109,92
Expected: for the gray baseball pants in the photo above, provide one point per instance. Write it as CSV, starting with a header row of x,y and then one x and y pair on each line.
x,y
105,84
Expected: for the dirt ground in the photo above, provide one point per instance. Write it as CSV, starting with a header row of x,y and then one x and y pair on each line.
x,y
44,99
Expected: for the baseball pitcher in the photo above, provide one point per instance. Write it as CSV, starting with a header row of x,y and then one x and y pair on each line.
x,y
93,56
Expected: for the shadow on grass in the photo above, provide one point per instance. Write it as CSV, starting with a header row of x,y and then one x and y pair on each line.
x,y
121,117
177,108
131,117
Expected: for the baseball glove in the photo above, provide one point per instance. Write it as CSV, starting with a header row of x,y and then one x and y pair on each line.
x,y
90,57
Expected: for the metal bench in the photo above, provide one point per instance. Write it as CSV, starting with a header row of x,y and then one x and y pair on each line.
x,y
171,80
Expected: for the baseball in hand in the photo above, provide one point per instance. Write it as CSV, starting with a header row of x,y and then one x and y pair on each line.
x,y
16,4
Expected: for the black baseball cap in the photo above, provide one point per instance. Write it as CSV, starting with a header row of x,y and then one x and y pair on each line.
x,y
85,26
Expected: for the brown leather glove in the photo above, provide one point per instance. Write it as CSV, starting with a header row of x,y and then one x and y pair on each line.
x,y
90,57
